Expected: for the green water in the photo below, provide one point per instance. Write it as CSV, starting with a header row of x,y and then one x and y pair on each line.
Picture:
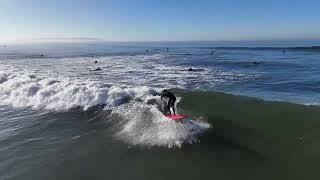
x,y
270,140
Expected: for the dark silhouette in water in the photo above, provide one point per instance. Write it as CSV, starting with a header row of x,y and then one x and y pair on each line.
x,y
212,52
97,69
194,70
284,51
33,76
95,62
35,56
167,50
255,63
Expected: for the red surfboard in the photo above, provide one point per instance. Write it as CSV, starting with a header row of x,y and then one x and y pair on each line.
x,y
176,117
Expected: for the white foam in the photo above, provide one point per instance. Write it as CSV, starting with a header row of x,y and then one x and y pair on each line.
x,y
65,83
19,90
145,125
143,70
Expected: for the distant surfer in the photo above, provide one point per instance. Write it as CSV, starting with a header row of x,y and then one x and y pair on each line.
x,y
172,100
32,76
97,69
255,63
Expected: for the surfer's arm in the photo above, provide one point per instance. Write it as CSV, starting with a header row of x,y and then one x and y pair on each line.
x,y
162,96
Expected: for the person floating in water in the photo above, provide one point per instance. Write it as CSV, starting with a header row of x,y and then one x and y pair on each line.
x,y
97,69
172,100
255,63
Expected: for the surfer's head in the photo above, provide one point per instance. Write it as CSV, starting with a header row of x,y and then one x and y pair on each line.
x,y
165,91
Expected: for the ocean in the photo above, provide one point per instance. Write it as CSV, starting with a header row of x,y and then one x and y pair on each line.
x,y
93,111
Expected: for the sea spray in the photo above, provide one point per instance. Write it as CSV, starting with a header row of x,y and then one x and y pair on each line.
x,y
145,125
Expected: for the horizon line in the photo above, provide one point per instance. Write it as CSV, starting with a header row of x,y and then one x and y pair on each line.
x,y
91,39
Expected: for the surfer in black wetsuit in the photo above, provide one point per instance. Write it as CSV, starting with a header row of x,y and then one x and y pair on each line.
x,y
172,100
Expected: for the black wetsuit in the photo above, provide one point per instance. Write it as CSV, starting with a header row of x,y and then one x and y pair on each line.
x,y
172,100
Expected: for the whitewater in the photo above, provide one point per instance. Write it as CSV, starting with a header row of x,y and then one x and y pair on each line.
x,y
62,84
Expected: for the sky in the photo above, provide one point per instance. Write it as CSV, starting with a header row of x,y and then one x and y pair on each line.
x,y
159,20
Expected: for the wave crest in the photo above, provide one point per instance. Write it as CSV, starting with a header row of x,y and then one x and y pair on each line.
x,y
64,93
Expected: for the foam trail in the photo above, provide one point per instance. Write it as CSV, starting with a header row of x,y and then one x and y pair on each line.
x,y
145,125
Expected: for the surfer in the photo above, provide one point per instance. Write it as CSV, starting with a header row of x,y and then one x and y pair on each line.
x,y
172,100
97,69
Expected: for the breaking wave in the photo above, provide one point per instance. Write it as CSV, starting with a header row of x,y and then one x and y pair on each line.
x,y
21,90
138,109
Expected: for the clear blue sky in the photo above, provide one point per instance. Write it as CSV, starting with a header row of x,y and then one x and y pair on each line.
x,y
159,20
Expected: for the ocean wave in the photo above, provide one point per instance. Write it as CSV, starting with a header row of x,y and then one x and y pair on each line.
x,y
138,108
140,119
20,90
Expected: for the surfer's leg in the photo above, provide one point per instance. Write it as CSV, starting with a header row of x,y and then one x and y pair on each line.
x,y
168,107
174,111
171,105
173,108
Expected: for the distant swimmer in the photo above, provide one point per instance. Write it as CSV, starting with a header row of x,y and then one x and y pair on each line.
x,y
167,50
191,69
95,62
97,69
212,52
32,76
255,63
147,51
172,100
